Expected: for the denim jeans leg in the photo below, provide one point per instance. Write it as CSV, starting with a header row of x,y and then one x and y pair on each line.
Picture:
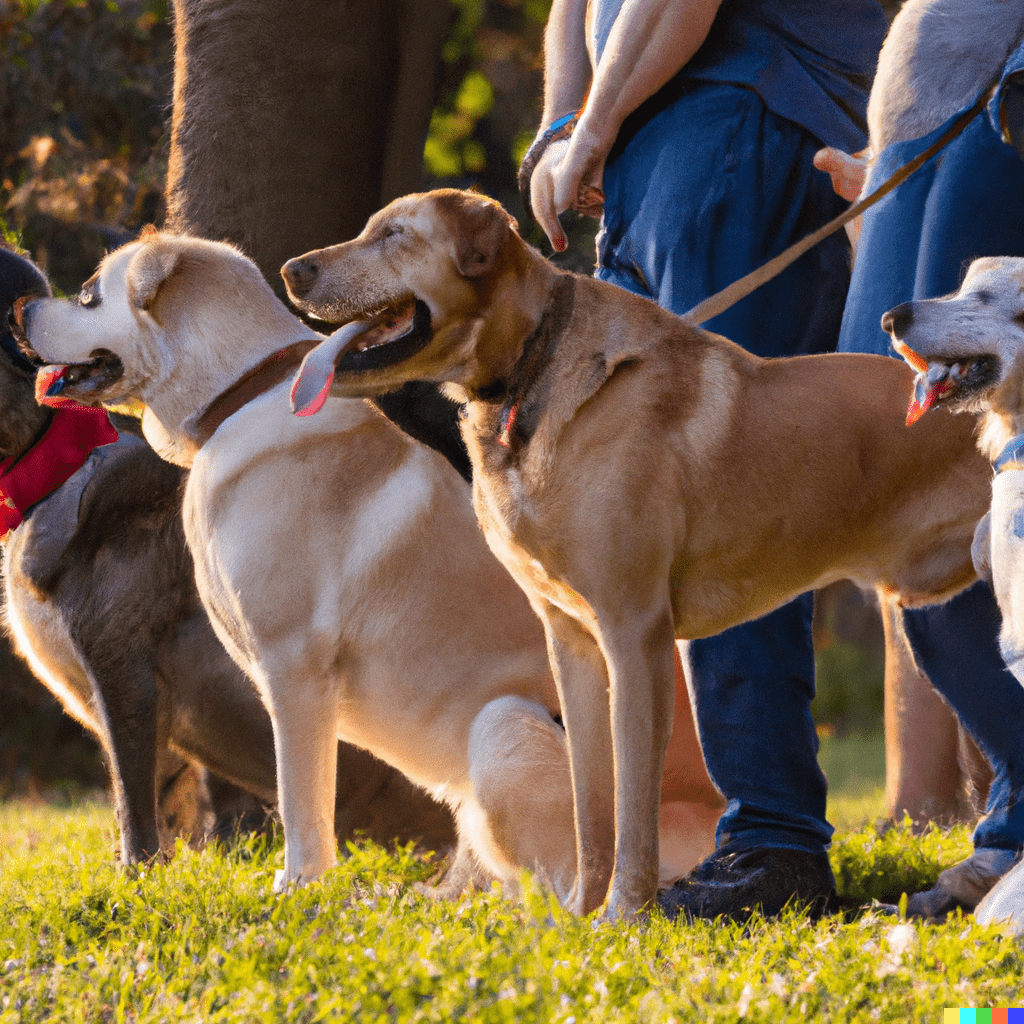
x,y
751,688
956,646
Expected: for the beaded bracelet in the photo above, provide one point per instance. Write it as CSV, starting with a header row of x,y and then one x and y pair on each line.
x,y
559,129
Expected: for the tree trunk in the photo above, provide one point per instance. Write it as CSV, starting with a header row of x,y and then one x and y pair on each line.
x,y
294,120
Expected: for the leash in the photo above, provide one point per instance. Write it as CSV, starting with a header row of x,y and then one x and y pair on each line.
x,y
718,303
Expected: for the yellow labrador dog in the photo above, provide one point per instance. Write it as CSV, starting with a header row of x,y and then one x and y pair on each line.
x,y
640,478
968,349
341,565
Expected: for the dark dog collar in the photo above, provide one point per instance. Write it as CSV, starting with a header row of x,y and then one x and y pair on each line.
x,y
1011,457
14,355
520,398
257,381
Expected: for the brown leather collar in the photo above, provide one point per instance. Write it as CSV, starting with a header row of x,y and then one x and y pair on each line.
x,y
255,382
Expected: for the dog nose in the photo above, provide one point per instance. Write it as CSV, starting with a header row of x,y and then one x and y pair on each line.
x,y
300,275
897,321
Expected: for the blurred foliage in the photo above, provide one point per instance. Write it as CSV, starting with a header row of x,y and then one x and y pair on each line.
x,y
85,90
850,681
489,109
850,660
41,749
491,62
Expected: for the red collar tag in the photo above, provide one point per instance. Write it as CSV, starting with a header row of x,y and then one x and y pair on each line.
x,y
508,421
25,479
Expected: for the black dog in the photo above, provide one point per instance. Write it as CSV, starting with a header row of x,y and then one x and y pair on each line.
x,y
102,603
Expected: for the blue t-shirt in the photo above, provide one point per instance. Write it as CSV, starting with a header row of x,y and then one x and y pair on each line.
x,y
811,61
965,202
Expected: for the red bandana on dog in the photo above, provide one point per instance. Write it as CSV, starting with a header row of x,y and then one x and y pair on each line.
x,y
63,449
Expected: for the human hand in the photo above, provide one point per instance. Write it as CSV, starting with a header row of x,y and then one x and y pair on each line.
x,y
568,176
848,171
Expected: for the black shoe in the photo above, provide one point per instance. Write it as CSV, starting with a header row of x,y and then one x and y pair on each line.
x,y
735,883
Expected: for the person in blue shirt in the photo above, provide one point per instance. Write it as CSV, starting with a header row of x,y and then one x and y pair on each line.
x,y
916,243
698,123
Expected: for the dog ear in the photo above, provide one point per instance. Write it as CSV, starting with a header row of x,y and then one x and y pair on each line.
x,y
154,263
483,229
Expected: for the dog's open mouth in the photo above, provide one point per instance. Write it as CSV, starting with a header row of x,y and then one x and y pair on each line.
x,y
384,339
955,382
78,383
396,327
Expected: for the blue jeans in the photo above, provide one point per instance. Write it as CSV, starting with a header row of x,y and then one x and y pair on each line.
x,y
703,185
956,646
916,243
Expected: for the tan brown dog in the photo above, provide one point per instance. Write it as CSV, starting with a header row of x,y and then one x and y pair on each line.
x,y
640,478
341,566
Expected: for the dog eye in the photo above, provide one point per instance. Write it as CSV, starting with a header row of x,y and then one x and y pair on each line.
x,y
392,229
88,298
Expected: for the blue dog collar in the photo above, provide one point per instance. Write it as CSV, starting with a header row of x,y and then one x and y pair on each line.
x,y
1012,456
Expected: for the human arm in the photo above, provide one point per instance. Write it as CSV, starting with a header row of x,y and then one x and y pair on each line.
x,y
567,74
649,43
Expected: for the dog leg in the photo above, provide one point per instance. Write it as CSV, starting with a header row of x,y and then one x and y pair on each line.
x,y
690,803
128,711
520,773
306,744
641,670
461,872
581,679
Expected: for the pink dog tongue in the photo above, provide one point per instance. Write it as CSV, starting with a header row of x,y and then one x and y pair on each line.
x,y
313,381
930,384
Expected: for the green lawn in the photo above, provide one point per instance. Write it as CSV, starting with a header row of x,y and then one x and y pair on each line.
x,y
203,939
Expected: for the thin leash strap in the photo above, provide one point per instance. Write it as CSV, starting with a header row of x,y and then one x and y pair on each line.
x,y
718,303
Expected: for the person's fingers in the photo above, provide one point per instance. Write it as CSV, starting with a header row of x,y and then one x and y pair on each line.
x,y
848,172
542,195
581,165
567,177
589,201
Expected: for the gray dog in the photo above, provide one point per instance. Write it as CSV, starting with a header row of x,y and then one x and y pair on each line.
x,y
102,603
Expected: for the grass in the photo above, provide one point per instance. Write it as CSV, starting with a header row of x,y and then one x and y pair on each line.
x,y
203,939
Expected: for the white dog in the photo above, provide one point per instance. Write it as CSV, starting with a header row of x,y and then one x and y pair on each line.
x,y
969,351
340,563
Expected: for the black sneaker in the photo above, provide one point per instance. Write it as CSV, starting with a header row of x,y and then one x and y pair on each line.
x,y
735,883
